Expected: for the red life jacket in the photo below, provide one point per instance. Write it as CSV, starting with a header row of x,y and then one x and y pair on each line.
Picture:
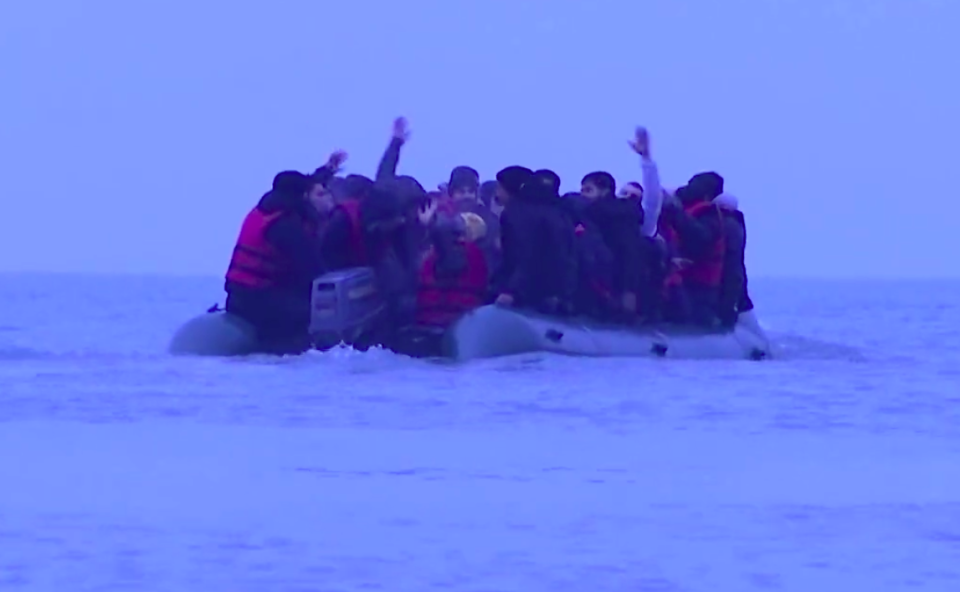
x,y
441,302
358,256
255,262
706,270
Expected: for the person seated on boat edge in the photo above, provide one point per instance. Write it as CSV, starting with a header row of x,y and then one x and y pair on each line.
x,y
618,222
696,229
453,276
275,260
538,248
595,262
734,297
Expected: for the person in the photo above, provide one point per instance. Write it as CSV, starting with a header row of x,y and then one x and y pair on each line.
x,y
595,262
453,276
696,230
276,257
650,199
488,193
633,192
618,222
452,282
362,226
464,197
464,185
734,298
538,247
321,196
509,183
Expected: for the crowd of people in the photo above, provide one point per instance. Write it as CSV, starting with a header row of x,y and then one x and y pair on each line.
x,y
641,256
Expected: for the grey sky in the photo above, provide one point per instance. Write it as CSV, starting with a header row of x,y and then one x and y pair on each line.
x,y
134,136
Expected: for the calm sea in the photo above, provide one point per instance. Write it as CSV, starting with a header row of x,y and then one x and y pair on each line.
x,y
834,468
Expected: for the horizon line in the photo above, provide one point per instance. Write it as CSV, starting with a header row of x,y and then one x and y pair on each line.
x,y
219,276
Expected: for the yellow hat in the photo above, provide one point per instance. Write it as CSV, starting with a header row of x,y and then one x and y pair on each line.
x,y
476,228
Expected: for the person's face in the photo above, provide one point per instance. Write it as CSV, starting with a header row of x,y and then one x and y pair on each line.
x,y
320,198
501,196
464,194
590,191
633,192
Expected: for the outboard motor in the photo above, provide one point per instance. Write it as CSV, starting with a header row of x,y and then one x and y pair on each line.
x,y
345,306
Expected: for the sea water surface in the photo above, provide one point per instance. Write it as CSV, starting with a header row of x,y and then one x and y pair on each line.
x,y
836,467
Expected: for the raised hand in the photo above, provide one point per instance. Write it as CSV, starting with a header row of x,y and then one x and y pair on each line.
x,y
401,129
427,212
336,160
641,142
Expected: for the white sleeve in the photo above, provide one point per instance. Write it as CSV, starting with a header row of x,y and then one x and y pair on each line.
x,y
652,198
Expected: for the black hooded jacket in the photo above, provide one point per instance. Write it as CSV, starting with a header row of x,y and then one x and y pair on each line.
x,y
733,291
539,260
618,221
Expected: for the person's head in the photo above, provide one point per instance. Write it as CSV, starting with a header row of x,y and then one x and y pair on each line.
x,y
337,186
319,197
474,227
727,201
409,192
632,191
544,184
382,210
357,186
704,186
464,184
487,191
488,195
291,184
447,231
598,185
509,182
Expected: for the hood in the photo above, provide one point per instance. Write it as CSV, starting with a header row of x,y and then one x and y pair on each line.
x,y
727,202
542,187
513,179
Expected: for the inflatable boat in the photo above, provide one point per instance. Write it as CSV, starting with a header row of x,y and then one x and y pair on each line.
x,y
345,306
493,331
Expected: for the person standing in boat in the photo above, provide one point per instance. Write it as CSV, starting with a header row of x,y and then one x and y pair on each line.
x,y
276,258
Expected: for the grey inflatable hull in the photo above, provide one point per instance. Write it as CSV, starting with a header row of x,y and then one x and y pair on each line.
x,y
493,331
214,334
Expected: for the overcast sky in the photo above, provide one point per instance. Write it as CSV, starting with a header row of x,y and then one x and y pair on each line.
x,y
134,136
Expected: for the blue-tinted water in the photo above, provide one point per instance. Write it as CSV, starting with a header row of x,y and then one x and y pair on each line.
x,y
835,468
